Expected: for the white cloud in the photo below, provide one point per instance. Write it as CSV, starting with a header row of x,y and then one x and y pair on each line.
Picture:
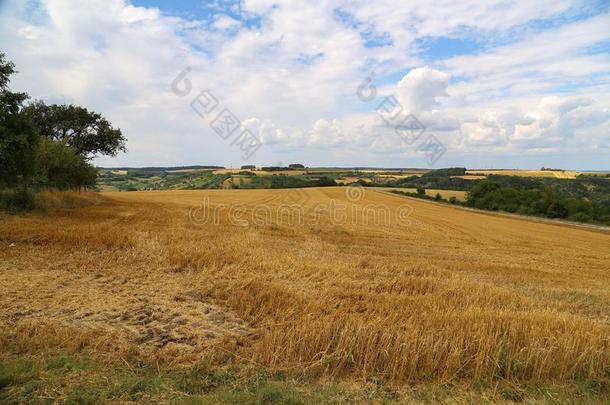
x,y
550,120
266,131
421,87
292,79
224,22
489,129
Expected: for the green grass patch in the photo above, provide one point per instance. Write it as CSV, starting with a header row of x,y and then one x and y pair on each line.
x,y
80,379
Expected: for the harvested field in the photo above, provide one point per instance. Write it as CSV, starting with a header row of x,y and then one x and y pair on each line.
x,y
471,177
236,181
446,194
262,172
396,289
527,173
349,180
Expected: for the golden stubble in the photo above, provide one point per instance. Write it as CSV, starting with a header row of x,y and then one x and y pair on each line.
x,y
450,295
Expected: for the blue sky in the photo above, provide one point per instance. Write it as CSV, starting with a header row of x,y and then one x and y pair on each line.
x,y
499,84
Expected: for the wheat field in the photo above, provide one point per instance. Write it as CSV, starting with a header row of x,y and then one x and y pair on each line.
x,y
356,285
570,174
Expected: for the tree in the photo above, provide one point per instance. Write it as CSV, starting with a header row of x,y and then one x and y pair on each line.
x,y
62,167
477,196
86,131
557,210
18,137
421,191
296,166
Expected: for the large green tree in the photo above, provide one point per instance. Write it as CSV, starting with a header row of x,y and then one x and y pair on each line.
x,y
18,137
61,167
88,132
45,146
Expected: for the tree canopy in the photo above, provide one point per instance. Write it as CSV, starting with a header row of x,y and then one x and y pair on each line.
x,y
18,137
47,146
88,132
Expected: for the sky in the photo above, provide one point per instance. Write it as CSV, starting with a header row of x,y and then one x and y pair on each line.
x,y
480,84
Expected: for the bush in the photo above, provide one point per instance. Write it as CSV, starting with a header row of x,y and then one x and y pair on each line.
x,y
605,219
326,182
17,200
557,210
450,171
421,191
62,167
580,217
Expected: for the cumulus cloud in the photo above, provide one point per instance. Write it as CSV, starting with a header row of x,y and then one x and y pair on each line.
x,y
266,131
488,130
420,89
548,125
297,69
550,119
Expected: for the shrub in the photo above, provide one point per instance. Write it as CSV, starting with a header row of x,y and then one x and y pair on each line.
x,y
326,181
557,210
17,200
580,217
62,167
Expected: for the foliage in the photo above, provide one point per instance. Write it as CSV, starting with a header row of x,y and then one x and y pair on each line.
x,y
295,166
163,179
15,200
18,137
325,182
88,132
423,196
47,146
288,182
545,201
448,172
62,167
439,179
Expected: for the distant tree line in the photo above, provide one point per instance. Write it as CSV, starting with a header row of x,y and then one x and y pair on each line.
x,y
295,182
47,146
547,202
293,166
583,199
